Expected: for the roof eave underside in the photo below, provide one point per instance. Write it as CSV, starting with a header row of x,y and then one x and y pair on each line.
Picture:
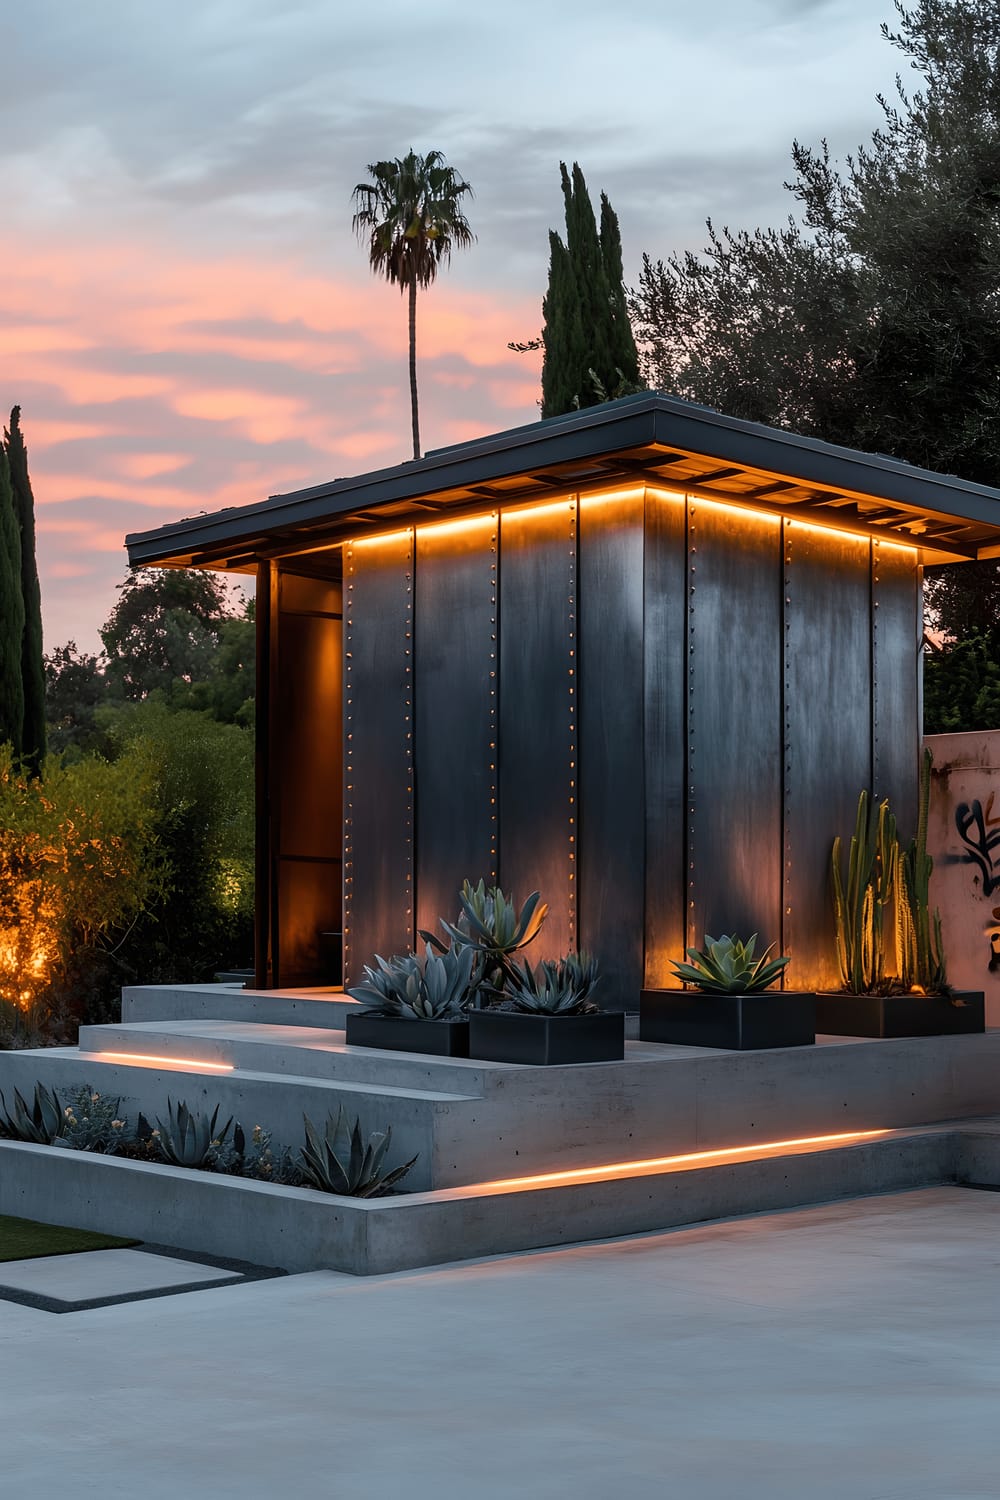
x,y
652,440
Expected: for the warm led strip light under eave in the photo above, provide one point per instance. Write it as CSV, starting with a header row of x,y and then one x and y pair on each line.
x,y
145,1059
600,497
779,516
650,1165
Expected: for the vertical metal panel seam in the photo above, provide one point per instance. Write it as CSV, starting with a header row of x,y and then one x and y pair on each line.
x,y
408,893
918,655
494,710
573,744
876,682
643,668
785,541
348,753
690,504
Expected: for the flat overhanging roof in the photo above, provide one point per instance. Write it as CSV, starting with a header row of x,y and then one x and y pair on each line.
x,y
648,438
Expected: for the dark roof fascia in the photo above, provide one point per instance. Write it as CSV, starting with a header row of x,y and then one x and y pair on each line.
x,y
595,432
558,440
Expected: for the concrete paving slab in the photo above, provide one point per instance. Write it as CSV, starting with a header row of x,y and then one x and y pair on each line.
x,y
846,1352
105,1273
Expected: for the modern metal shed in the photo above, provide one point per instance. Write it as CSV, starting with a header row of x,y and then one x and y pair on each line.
x,y
642,657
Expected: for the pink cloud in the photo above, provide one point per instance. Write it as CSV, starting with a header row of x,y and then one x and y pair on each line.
x,y
241,375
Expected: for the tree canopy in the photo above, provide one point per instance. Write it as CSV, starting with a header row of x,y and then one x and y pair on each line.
x,y
165,629
590,352
871,318
411,216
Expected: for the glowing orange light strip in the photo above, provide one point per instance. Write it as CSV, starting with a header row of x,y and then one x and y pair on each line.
x,y
771,515
522,512
652,1164
177,1062
860,536
466,523
600,497
385,536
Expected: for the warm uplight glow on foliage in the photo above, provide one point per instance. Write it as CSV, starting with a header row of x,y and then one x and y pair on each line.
x,y
78,859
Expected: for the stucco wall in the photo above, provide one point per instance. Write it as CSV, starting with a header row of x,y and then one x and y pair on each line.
x,y
964,838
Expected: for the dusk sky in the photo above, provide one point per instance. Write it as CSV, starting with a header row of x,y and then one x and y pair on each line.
x,y
186,318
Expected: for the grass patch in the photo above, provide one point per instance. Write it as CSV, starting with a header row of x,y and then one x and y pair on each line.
x,y
23,1239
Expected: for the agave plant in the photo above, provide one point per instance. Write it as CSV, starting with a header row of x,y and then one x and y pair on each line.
x,y
41,1123
490,924
727,966
555,988
440,986
342,1161
190,1139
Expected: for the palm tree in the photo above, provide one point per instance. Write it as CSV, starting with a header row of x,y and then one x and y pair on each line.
x,y
411,216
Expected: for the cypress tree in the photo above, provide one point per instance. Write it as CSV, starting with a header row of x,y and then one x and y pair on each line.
x,y
590,353
32,665
624,354
11,615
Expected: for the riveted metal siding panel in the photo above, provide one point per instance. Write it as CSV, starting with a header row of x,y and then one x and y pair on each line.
x,y
538,794
611,808
734,723
828,705
664,669
378,770
455,704
897,629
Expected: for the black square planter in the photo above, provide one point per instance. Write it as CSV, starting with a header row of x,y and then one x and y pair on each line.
x,y
439,1038
520,1037
742,1023
838,1014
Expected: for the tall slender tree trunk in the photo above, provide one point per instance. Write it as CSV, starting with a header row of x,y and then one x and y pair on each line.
x,y
413,369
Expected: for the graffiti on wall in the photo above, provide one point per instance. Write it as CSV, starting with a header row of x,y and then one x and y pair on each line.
x,y
979,830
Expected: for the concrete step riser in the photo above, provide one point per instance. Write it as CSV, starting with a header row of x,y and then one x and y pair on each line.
x,y
303,1231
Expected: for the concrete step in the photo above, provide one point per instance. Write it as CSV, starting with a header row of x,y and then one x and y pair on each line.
x,y
305,1051
475,1121
325,1008
302,1230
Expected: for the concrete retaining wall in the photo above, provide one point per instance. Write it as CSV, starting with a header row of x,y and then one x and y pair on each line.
x,y
301,1230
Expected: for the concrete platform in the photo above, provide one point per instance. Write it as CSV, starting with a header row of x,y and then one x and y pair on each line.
x,y
480,1129
846,1352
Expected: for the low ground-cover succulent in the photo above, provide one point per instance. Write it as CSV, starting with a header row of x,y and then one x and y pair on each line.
x,y
727,966
342,1161
555,987
439,986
